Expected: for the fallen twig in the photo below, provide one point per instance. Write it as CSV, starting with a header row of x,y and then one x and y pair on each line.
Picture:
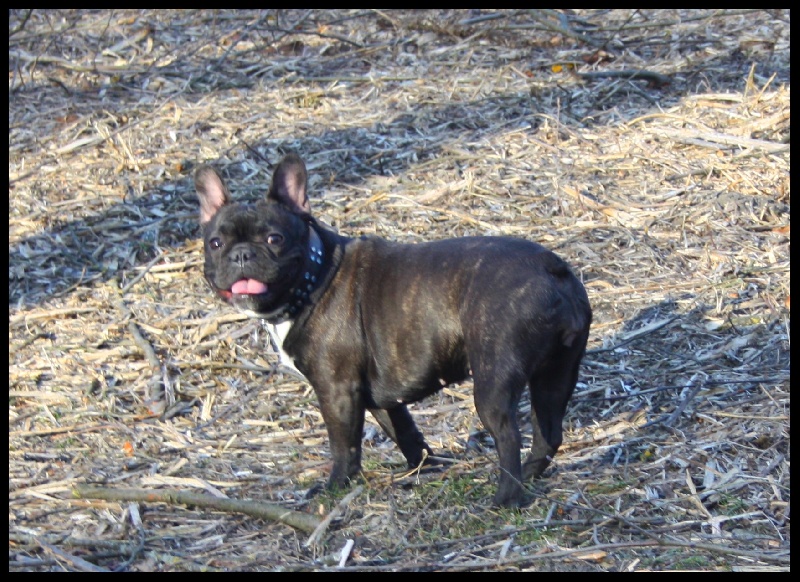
x,y
629,337
561,29
695,387
715,139
302,521
323,525
159,377
656,79
78,563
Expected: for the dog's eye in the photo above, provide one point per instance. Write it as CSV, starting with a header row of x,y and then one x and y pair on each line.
x,y
274,239
215,243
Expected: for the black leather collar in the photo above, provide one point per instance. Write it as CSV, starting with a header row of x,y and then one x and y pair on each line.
x,y
300,293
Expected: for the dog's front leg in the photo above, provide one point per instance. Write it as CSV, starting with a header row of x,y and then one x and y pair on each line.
x,y
343,411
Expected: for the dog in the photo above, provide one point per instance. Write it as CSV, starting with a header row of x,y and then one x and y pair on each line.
x,y
375,325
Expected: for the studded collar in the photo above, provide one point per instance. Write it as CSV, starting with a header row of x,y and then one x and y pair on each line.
x,y
300,293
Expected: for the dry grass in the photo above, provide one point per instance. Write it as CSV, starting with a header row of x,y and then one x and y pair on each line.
x,y
670,199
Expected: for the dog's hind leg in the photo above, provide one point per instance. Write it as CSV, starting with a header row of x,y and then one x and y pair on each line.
x,y
496,399
551,388
398,424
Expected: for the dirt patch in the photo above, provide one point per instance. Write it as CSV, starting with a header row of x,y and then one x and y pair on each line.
x,y
648,148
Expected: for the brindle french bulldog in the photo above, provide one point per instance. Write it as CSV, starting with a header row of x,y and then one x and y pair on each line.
x,y
374,325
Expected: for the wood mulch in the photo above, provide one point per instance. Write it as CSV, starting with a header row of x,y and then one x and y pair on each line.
x,y
649,148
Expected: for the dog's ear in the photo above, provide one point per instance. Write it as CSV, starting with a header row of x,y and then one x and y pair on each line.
x,y
289,184
211,191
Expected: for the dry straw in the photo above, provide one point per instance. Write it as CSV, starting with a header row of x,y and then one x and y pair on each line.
x,y
649,148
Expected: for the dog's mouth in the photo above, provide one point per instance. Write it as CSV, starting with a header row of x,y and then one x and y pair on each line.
x,y
248,287
244,287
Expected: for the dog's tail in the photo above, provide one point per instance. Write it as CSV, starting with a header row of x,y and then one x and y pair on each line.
x,y
578,312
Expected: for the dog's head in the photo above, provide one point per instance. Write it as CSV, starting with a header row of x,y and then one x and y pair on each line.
x,y
258,257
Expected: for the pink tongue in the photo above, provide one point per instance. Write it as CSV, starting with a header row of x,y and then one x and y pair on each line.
x,y
248,287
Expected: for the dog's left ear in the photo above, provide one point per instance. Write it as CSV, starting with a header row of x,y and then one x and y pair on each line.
x,y
289,184
211,191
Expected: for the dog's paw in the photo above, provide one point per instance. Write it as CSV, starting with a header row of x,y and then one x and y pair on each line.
x,y
534,467
439,460
314,490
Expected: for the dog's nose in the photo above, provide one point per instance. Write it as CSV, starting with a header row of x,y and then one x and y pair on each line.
x,y
241,255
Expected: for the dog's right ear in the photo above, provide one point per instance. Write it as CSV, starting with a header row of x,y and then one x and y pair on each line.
x,y
211,191
289,184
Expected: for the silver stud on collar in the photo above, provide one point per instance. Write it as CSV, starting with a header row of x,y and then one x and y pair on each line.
x,y
302,293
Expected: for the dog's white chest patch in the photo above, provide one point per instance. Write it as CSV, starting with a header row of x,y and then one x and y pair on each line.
x,y
278,333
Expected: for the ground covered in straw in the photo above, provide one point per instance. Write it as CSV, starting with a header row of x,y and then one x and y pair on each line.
x,y
648,148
